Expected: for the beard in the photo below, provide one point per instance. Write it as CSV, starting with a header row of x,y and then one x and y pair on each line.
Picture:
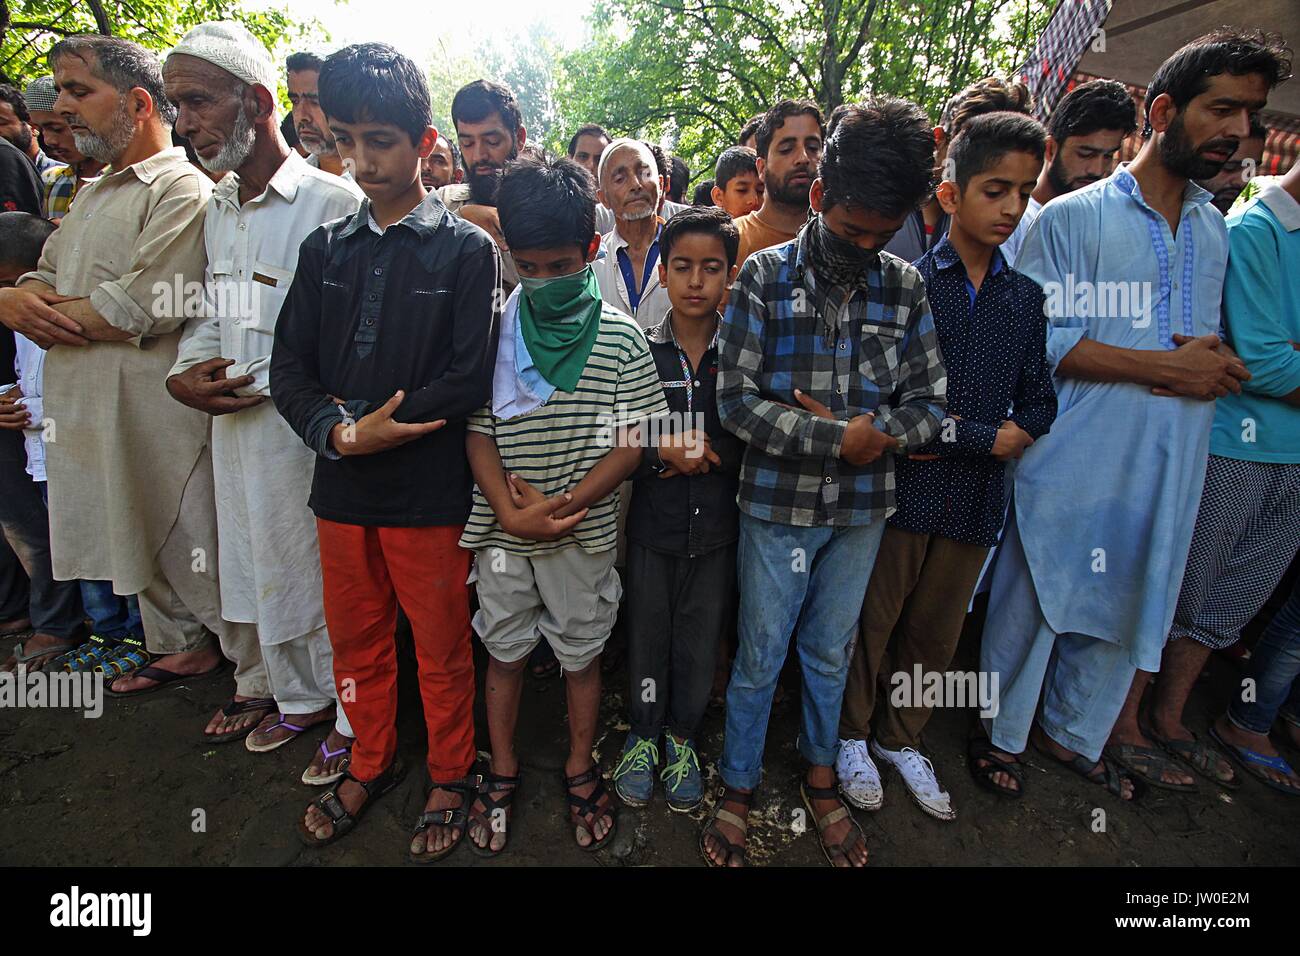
x,y
785,195
1183,158
107,144
1056,178
319,145
483,186
236,149
23,140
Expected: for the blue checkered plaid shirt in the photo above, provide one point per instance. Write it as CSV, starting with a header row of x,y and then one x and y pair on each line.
x,y
877,353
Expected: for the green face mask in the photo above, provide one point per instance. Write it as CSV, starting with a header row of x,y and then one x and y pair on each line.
x,y
559,319
561,297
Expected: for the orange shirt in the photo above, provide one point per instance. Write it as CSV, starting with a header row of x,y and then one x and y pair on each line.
x,y
755,234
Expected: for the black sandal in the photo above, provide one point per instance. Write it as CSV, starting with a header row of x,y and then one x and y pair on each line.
x,y
343,821
496,793
730,850
1112,779
456,818
850,842
980,748
590,806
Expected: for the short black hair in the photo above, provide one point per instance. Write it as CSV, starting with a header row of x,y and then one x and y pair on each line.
x,y
879,156
989,137
545,202
1092,107
1186,74
734,161
749,129
679,177
475,102
10,95
303,62
993,94
775,118
702,195
590,129
709,220
22,236
121,64
373,83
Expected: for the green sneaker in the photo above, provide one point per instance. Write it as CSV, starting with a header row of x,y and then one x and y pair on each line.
x,y
683,783
634,777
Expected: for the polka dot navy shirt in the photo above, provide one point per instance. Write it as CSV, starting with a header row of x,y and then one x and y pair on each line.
x,y
994,345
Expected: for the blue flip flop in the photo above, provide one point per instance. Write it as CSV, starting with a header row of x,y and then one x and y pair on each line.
x,y
1250,761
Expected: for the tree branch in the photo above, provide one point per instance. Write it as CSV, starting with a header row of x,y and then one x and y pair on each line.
x,y
863,32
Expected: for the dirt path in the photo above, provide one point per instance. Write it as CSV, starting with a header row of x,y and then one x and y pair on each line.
x,y
127,788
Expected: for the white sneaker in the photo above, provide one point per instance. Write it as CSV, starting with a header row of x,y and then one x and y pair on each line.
x,y
859,778
918,774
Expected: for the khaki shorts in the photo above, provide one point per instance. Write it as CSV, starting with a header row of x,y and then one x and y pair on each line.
x,y
570,597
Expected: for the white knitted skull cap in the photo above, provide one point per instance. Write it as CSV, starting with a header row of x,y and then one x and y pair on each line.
x,y
232,47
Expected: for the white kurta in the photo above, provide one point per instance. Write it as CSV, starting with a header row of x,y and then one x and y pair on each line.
x,y
269,559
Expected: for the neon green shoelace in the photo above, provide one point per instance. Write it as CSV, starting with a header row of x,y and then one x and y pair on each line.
x,y
641,757
680,767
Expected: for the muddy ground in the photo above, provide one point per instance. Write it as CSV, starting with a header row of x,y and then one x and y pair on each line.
x,y
123,790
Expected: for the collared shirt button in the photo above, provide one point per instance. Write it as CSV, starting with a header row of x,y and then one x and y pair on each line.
x,y
697,383
379,270
828,479
843,346
371,297
370,321
697,511
243,226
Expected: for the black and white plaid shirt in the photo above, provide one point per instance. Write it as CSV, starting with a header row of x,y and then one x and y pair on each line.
x,y
881,355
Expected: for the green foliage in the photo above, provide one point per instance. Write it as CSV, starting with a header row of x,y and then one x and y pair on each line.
x,y
690,73
522,59
33,26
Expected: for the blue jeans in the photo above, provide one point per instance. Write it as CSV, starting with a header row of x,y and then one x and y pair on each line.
x,y
113,617
809,581
1274,666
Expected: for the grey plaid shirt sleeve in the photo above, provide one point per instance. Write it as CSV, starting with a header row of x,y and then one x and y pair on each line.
x,y
775,428
916,408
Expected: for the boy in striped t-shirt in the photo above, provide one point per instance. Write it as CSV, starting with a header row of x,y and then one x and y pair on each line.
x,y
573,379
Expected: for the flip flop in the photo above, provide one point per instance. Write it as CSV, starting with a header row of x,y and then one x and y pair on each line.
x,y
162,675
1251,760
267,748
234,708
325,779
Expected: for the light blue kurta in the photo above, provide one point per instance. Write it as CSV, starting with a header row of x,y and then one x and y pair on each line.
x,y
1107,501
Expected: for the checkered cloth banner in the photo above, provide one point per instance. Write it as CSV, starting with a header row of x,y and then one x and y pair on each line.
x,y
1051,63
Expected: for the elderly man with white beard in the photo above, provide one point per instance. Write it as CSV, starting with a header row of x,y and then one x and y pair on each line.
x,y
627,265
222,80
130,476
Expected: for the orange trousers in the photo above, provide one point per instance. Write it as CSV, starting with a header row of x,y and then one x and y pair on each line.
x,y
367,573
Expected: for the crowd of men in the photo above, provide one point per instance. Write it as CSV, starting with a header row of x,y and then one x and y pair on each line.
x,y
277,378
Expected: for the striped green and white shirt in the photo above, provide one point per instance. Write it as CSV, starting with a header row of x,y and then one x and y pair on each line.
x,y
554,446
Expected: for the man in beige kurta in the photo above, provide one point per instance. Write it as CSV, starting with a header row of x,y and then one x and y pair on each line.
x,y
130,473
